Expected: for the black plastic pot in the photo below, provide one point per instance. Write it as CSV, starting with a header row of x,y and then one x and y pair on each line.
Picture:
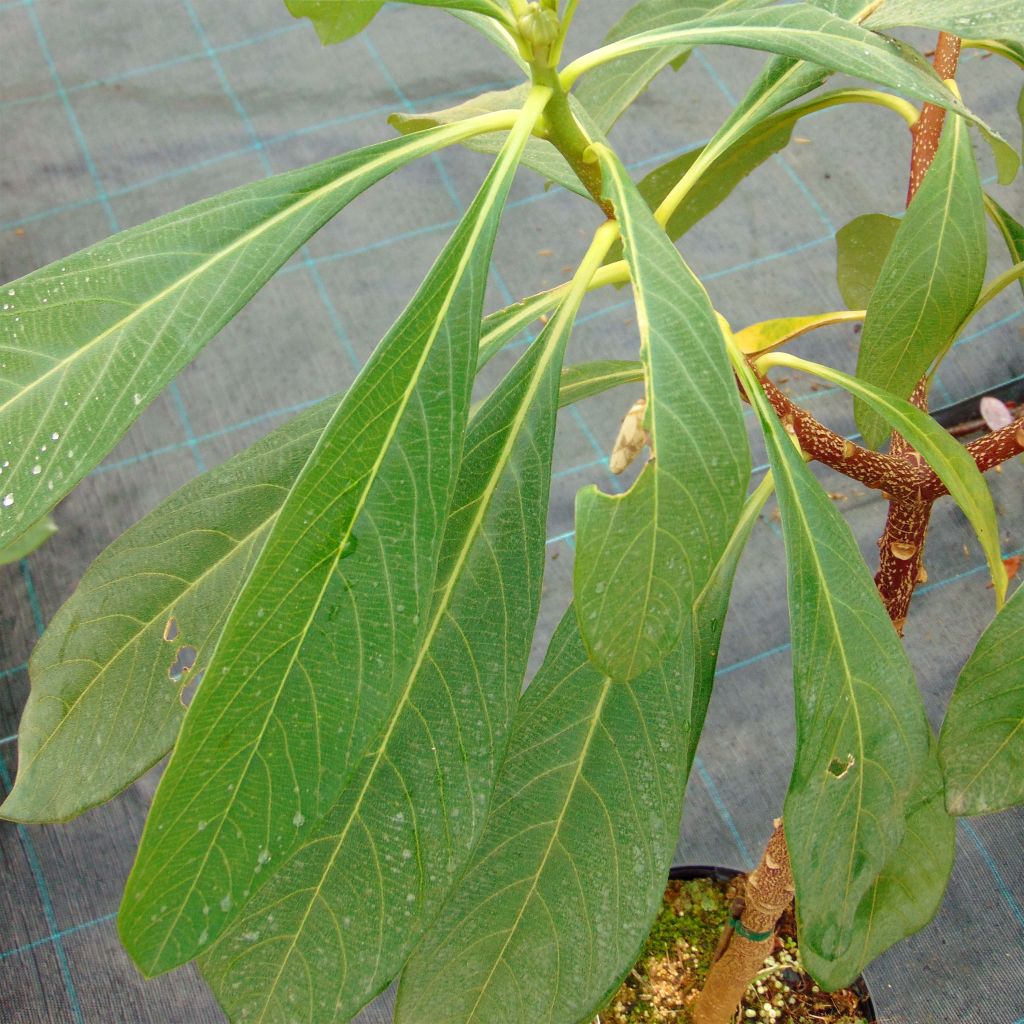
x,y
687,872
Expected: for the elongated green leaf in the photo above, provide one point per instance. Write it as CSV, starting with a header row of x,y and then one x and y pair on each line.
x,y
862,736
908,890
1000,19
769,334
87,343
584,380
570,869
700,654
981,745
1010,229
951,461
362,888
102,674
930,280
310,640
861,249
496,33
796,30
642,556
610,89
34,537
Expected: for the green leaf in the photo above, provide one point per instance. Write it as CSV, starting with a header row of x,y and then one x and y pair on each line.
x,y
102,672
952,463
862,736
1012,232
930,280
569,872
981,745
642,556
34,537
861,249
611,89
335,20
365,885
338,20
539,155
584,380
796,30
700,654
88,342
908,890
1000,19
1011,51
496,33
339,592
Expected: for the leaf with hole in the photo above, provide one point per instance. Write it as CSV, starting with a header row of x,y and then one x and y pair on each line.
x,y
909,888
862,737
101,672
642,556
322,630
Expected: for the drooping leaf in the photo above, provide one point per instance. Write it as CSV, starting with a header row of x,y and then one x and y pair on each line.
x,y
569,872
952,463
981,745
367,882
102,676
1010,229
609,90
338,20
642,556
89,341
861,249
796,30
930,280
1000,19
326,623
584,380
34,537
862,737
908,890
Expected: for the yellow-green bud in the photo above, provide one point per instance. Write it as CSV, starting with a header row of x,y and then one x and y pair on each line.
x,y
539,26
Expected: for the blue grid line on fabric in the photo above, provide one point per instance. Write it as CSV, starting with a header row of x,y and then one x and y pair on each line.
x,y
5,673
8,739
210,161
723,811
257,143
149,69
33,597
993,868
101,192
777,158
49,916
57,936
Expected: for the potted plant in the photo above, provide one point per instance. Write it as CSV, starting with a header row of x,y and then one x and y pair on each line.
x,y
357,788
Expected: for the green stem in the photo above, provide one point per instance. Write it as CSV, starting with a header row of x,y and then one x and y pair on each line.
x,y
556,50
566,135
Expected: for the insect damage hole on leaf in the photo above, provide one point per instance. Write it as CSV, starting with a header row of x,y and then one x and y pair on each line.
x,y
182,664
171,629
838,768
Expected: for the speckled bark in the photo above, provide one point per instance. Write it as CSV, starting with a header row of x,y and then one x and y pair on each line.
x,y
769,890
